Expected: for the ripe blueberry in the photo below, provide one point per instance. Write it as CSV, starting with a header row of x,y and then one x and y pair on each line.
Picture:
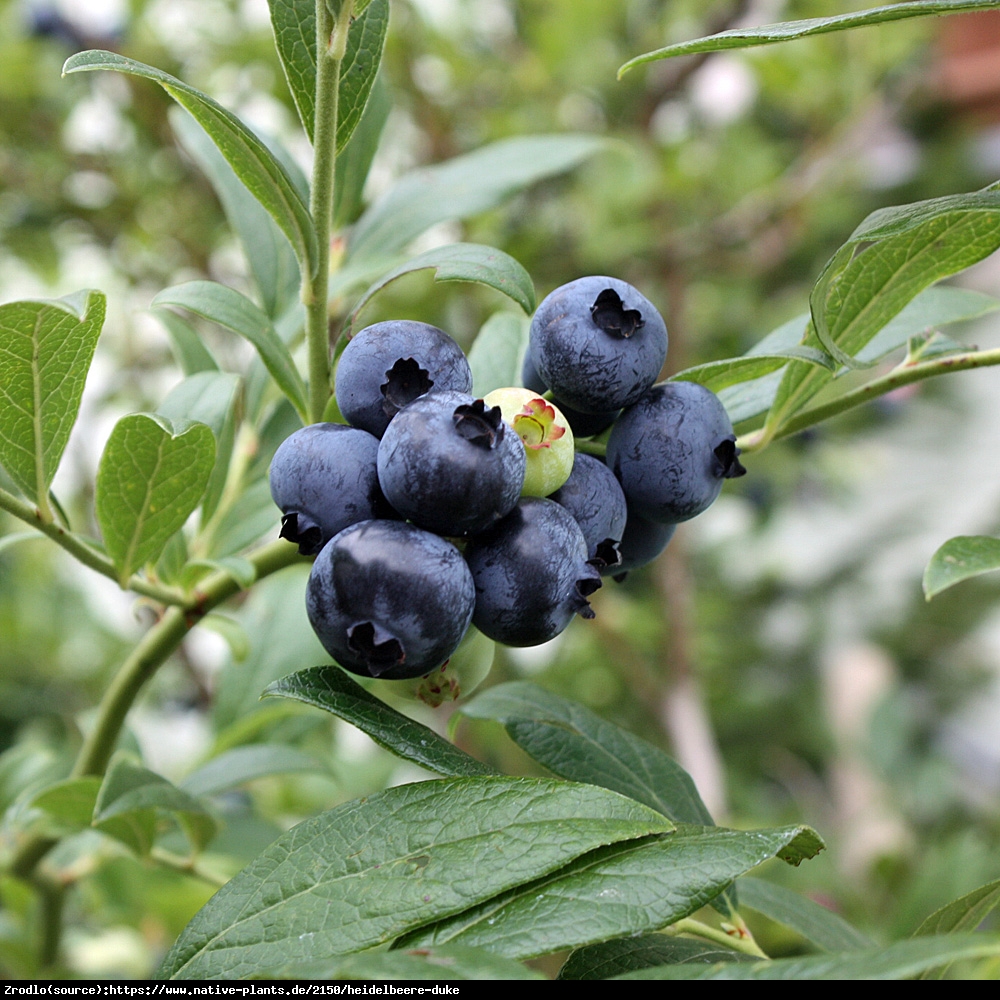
x,y
390,364
597,344
583,425
672,450
388,600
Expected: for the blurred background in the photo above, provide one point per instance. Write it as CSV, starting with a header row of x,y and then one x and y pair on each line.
x,y
781,648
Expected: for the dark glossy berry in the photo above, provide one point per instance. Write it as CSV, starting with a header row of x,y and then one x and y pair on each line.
x,y
594,497
388,600
583,425
324,478
450,464
531,574
672,450
598,344
388,365
641,543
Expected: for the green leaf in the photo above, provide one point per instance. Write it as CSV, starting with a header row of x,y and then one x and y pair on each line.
x,y
577,744
46,352
190,352
462,187
815,923
354,163
717,375
901,960
449,963
209,398
626,889
769,34
264,177
272,261
247,521
330,689
236,312
891,257
372,869
149,481
236,767
495,357
9,541
68,805
464,262
241,570
611,958
130,796
294,23
958,559
963,914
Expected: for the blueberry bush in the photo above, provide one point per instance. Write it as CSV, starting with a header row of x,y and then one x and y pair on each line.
x,y
444,500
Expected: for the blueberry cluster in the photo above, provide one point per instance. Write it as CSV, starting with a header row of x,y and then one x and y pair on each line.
x,y
434,510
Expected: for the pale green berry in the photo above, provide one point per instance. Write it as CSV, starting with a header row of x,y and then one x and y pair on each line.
x,y
548,440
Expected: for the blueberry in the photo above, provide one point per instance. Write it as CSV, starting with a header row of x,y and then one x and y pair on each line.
x,y
324,478
672,450
594,497
641,543
583,425
597,344
390,364
531,574
450,464
388,600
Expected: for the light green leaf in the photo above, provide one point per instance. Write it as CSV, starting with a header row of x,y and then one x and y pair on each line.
x,y
264,177
577,744
230,309
901,960
241,570
611,958
272,261
769,34
232,631
45,354
149,481
464,262
889,259
626,889
247,521
9,541
294,23
963,914
372,869
237,767
958,559
129,798
718,375
425,964
815,923
330,689
190,351
495,357
68,805
462,187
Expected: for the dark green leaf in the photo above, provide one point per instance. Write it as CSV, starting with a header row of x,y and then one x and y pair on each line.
x,y
574,743
769,34
230,309
370,870
46,349
189,350
958,559
464,262
332,690
617,891
264,177
149,481
901,960
815,923
355,161
419,964
462,187
236,767
294,23
495,358
611,958
272,261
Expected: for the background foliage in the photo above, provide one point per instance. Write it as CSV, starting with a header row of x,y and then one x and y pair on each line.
x,y
781,649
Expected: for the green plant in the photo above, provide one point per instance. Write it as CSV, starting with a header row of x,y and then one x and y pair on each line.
x,y
403,883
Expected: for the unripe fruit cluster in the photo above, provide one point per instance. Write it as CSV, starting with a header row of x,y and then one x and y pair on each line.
x,y
434,510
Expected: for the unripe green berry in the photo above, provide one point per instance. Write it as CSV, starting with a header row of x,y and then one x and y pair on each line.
x,y
548,440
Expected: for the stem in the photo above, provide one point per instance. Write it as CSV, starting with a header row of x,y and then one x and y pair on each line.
x,y
742,942
50,899
904,374
83,552
331,41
